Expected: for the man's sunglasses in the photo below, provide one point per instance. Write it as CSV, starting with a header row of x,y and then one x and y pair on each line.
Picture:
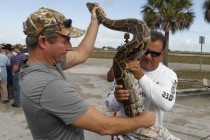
x,y
152,53
67,23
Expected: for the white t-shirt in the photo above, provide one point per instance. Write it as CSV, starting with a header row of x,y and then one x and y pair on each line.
x,y
159,88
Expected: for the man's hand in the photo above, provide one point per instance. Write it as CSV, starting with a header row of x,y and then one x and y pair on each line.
x,y
147,118
93,12
121,94
133,66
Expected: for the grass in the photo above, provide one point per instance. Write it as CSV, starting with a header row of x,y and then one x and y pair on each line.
x,y
205,59
187,79
191,79
189,59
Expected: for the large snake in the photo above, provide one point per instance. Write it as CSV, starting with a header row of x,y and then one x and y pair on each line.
x,y
131,50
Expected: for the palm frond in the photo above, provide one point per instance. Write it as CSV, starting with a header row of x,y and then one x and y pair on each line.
x,y
206,10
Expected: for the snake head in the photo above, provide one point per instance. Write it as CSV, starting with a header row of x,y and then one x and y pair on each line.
x,y
90,6
99,11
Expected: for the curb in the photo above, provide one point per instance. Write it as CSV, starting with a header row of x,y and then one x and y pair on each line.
x,y
184,91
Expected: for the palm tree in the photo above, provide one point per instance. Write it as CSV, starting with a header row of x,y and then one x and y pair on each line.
x,y
206,12
169,16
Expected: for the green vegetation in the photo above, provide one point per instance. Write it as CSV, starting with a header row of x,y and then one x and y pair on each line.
x,y
168,16
206,8
205,58
189,59
187,79
191,79
102,54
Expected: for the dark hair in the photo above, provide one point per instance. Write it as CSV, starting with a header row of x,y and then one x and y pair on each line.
x,y
155,35
8,47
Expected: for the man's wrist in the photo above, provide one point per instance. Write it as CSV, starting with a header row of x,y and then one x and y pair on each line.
x,y
139,75
95,22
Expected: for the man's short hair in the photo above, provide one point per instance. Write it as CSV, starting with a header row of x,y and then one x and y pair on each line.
x,y
155,35
49,21
19,46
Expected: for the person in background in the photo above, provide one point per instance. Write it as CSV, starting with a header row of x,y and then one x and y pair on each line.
x,y
4,62
157,82
0,83
18,60
1,46
110,75
60,112
8,50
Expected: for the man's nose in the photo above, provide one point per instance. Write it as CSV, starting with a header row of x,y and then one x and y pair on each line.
x,y
148,55
69,46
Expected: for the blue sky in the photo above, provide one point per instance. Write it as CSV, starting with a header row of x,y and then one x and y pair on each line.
x,y
13,14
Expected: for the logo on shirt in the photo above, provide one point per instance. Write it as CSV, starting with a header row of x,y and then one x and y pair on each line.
x,y
168,96
173,87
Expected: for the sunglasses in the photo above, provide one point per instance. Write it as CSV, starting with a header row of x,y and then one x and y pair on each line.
x,y
152,53
67,23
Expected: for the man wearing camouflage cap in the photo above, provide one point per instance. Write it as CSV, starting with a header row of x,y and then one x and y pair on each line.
x,y
53,108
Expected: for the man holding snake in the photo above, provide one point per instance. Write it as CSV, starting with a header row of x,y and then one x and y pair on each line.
x,y
157,82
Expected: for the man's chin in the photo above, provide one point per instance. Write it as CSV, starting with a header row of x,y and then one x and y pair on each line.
x,y
146,65
60,60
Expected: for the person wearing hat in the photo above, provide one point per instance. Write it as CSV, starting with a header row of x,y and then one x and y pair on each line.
x,y
53,108
17,61
8,51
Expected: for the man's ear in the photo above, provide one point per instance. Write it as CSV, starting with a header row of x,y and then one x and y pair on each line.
x,y
42,42
163,53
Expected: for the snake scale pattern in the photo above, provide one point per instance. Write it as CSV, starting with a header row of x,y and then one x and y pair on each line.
x,y
133,49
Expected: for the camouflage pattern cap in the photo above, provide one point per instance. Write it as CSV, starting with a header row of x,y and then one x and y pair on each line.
x,y
47,20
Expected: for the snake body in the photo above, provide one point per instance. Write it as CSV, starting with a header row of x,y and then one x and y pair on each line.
x,y
133,49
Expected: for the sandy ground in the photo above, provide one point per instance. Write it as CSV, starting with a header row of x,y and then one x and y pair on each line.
x,y
189,119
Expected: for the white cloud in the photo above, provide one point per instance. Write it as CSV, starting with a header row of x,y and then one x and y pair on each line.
x,y
187,45
108,37
105,37
188,41
12,39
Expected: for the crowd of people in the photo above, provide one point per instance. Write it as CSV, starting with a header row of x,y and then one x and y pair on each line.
x,y
11,58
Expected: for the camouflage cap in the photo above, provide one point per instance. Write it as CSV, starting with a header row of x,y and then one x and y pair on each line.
x,y
47,20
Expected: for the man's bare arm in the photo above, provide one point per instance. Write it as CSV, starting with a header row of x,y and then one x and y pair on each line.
x,y
95,121
84,49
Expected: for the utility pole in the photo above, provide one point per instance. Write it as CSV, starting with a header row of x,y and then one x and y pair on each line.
x,y
201,41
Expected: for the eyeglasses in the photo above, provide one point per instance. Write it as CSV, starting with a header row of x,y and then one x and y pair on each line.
x,y
67,23
152,53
